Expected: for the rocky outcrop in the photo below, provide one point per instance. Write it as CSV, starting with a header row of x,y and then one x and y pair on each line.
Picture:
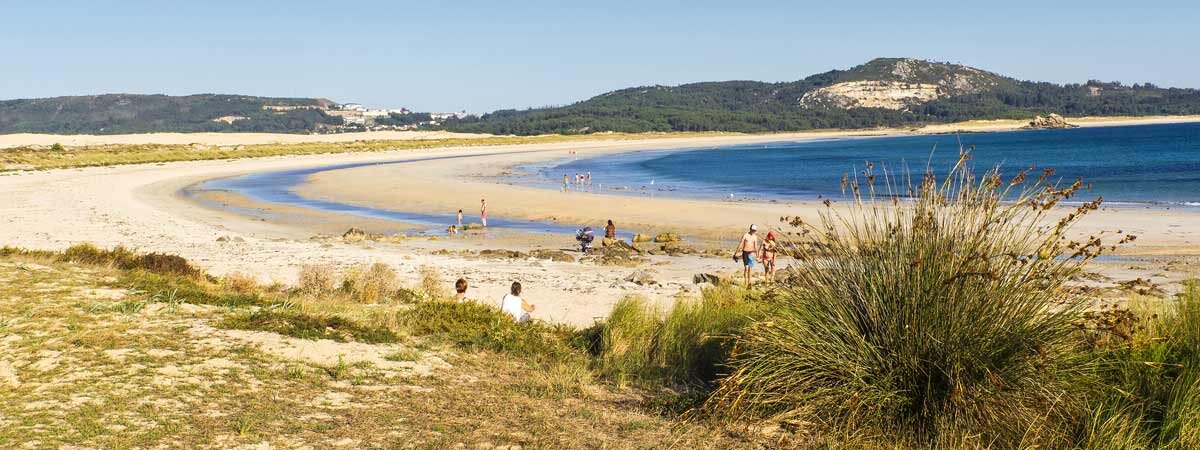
x,y
899,84
1051,121
872,94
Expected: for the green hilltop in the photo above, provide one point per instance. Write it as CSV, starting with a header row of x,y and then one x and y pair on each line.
x,y
129,113
883,92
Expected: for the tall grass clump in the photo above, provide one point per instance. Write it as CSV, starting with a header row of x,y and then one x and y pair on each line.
x,y
932,314
432,284
1151,376
123,258
687,346
371,284
627,338
316,279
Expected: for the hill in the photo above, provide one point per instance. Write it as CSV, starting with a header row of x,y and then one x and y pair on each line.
x,y
882,92
127,113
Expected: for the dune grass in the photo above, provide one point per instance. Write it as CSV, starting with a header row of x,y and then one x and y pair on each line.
x,y
940,319
1151,378
943,321
686,347
309,326
87,362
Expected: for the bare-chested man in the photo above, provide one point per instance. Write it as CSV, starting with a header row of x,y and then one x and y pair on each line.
x,y
747,249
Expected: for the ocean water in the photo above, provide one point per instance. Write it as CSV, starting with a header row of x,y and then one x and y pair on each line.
x,y
278,187
1149,164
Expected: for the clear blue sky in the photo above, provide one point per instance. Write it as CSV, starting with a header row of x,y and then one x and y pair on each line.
x,y
484,55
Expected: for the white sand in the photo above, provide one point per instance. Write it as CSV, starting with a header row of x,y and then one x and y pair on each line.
x,y
138,206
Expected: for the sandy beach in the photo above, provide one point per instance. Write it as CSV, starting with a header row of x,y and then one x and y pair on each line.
x,y
141,206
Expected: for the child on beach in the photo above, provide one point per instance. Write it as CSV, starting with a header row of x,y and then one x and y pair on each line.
x,y
460,289
460,218
483,211
515,306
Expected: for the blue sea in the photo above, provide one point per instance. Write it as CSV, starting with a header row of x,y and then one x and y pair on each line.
x,y
1148,164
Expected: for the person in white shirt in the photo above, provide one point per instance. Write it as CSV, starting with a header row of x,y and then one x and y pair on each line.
x,y
515,306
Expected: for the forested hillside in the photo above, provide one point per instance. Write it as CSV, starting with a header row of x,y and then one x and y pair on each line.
x,y
883,92
124,113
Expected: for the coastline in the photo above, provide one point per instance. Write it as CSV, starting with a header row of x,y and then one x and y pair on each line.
x,y
140,206
232,139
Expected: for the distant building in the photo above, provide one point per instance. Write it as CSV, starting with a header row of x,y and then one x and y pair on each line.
x,y
353,107
230,119
442,116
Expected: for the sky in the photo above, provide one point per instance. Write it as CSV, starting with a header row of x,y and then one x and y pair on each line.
x,y
481,56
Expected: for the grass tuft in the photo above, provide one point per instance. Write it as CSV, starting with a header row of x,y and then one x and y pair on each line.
x,y
371,284
316,279
308,326
939,319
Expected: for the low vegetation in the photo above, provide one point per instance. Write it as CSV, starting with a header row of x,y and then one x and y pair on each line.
x,y
943,319
98,353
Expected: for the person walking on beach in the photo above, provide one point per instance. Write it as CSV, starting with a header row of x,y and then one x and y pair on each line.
x,y
589,178
515,306
566,184
747,248
769,250
460,218
483,212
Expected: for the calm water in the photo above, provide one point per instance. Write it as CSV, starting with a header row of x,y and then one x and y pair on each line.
x,y
1139,164
278,187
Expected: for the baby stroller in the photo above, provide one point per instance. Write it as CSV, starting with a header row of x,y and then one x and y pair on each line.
x,y
585,237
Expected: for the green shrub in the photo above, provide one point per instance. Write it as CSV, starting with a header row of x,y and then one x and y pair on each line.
x,y
307,326
935,320
474,326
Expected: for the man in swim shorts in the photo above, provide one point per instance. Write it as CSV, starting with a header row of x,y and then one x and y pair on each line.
x,y
746,250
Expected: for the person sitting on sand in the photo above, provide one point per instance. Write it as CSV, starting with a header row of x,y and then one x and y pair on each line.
x,y
769,249
452,231
460,289
515,306
747,248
